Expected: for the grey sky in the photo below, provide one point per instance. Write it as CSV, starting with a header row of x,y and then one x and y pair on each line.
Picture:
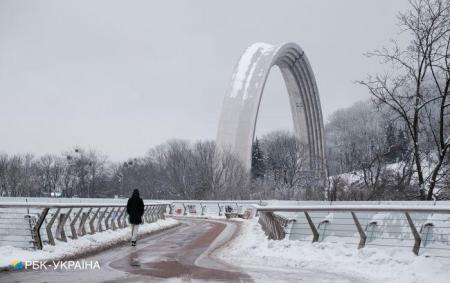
x,y
122,76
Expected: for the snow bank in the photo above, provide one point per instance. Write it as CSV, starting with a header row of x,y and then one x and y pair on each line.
x,y
79,246
251,248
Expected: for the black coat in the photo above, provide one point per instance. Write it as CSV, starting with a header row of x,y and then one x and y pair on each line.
x,y
135,209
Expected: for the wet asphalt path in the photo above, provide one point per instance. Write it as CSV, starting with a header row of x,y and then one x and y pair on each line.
x,y
177,254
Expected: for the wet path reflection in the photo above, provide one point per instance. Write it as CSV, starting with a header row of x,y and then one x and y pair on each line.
x,y
175,255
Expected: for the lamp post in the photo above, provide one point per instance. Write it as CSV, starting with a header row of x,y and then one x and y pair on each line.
x,y
126,166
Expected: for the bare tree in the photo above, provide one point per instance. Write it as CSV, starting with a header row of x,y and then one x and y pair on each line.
x,y
351,135
17,175
49,174
419,78
287,167
3,174
231,179
84,171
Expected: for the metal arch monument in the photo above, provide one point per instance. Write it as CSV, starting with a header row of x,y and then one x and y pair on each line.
x,y
241,104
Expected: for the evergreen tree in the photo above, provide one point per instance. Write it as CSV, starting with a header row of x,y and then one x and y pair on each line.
x,y
391,143
403,143
258,165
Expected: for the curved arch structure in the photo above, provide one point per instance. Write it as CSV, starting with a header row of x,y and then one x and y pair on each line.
x,y
241,104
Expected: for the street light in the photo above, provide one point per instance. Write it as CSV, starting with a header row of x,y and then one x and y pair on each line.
x,y
126,165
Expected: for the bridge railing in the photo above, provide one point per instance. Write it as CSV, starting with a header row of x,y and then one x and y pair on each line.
x,y
420,228
31,225
211,206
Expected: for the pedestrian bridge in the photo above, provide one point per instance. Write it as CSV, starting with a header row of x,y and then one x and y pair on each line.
x,y
33,224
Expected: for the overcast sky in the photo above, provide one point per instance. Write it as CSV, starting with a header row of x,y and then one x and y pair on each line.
x,y
122,76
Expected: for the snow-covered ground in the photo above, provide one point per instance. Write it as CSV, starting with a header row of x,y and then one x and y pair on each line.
x,y
79,246
252,249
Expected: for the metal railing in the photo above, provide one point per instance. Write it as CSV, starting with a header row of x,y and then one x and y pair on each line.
x,y
422,227
219,205
35,224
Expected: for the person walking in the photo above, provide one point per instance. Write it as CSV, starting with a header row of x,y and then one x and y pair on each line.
x,y
135,210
